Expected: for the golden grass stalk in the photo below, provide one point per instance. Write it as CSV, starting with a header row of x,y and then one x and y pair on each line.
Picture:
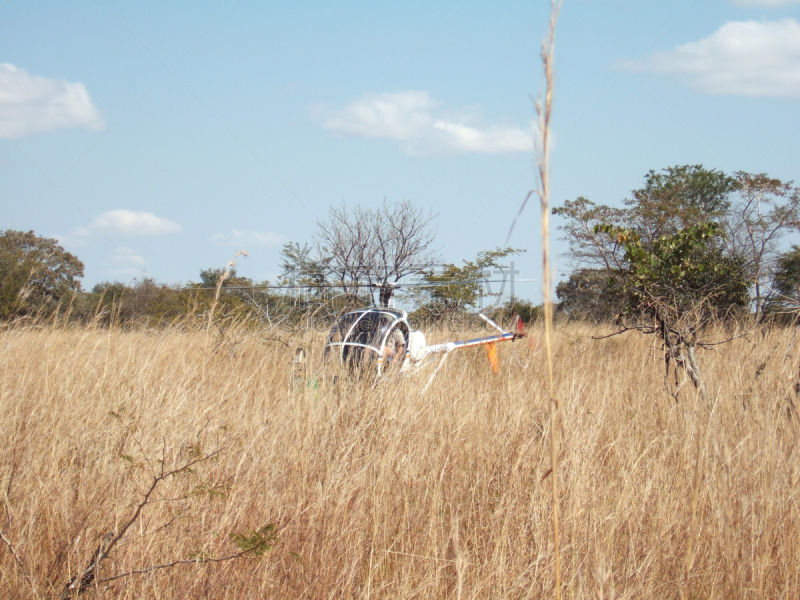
x,y
223,276
544,108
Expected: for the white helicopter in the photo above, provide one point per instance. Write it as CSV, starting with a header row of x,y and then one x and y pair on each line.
x,y
359,338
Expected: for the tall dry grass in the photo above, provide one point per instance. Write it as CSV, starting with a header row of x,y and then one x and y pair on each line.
x,y
382,492
544,109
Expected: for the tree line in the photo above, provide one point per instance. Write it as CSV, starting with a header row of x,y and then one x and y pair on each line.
x,y
690,236
690,239
356,258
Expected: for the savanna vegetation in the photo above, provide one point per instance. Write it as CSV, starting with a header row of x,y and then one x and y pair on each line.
x,y
739,265
169,442
312,487
359,256
164,441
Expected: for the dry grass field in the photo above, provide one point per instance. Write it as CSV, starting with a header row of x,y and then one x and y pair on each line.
x,y
382,492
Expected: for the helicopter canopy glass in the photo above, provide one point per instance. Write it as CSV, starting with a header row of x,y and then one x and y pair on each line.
x,y
362,334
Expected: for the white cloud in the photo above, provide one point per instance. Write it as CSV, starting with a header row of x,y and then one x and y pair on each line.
x,y
743,58
417,120
399,116
125,264
765,3
126,256
125,273
128,223
247,238
491,140
32,104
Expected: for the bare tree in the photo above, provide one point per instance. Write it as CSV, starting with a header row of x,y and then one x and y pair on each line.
x,y
345,239
375,248
762,212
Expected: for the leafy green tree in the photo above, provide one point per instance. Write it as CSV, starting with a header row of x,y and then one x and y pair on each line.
x,y
453,289
236,298
787,275
681,270
677,198
316,294
763,210
106,301
673,288
142,301
786,283
210,277
670,201
674,199
590,295
527,311
300,268
36,273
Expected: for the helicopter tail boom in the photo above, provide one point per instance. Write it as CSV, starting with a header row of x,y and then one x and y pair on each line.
x,y
493,339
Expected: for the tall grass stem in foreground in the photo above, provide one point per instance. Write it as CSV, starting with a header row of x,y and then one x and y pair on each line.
x,y
544,108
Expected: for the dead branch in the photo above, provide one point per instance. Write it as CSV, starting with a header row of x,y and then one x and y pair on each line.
x,y
174,563
626,329
16,556
83,580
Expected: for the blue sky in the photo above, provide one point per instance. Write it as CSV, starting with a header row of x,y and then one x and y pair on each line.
x,y
159,138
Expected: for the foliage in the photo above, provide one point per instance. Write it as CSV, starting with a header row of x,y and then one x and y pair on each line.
x,y
679,270
144,300
763,210
785,296
316,293
674,199
527,311
656,227
36,273
723,284
587,249
237,296
258,542
787,275
677,198
590,295
454,289
669,260
148,302
675,287
300,268
753,211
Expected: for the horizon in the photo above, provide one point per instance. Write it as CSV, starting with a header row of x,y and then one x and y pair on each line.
x,y
158,140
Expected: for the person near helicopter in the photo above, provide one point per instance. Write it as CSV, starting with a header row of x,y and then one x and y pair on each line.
x,y
395,348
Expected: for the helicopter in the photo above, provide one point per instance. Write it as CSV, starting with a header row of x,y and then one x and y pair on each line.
x,y
359,338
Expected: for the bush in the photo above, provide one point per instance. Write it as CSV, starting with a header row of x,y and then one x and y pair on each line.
x,y
36,274
589,295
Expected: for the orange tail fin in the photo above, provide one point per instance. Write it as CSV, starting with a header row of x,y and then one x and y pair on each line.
x,y
491,352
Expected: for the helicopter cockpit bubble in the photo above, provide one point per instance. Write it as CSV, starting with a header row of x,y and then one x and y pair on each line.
x,y
359,337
